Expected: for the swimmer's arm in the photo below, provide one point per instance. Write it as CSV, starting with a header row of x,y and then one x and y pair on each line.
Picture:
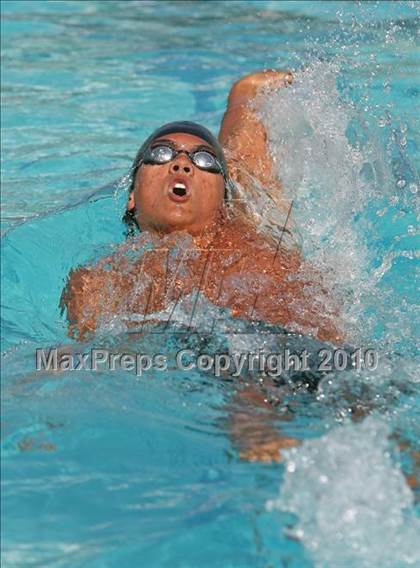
x,y
243,135
252,430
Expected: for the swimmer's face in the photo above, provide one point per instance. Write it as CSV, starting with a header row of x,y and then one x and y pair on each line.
x,y
160,206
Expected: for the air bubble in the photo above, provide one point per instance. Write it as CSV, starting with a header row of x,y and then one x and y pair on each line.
x,y
349,516
401,183
299,533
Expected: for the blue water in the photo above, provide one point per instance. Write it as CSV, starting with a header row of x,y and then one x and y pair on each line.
x,y
111,469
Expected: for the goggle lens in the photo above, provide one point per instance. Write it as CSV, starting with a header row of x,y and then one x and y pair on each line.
x,y
204,160
163,154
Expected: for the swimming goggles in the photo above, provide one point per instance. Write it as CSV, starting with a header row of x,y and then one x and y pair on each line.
x,y
162,154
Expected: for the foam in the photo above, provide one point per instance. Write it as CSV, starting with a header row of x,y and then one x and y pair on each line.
x,y
334,166
352,501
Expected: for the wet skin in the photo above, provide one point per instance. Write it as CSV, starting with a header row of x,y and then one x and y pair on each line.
x,y
159,209
229,262
230,248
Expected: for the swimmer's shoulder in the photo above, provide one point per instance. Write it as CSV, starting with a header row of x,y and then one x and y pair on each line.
x,y
104,279
91,291
88,277
258,250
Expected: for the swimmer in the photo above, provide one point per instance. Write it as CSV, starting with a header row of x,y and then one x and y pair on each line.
x,y
183,183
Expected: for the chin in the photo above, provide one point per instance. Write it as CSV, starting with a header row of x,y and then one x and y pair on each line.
x,y
175,221
193,229
176,224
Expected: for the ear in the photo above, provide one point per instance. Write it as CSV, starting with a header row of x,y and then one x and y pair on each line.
x,y
131,203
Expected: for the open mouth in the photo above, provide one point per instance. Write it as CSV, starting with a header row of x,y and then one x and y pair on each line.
x,y
179,192
179,189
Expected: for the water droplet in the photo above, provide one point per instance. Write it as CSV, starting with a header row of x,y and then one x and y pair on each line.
x,y
401,183
299,533
349,515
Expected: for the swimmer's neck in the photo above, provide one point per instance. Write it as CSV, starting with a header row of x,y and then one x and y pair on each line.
x,y
202,239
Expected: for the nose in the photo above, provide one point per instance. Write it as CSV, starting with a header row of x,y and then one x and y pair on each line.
x,y
181,164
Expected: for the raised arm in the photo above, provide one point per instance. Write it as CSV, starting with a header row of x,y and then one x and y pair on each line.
x,y
242,133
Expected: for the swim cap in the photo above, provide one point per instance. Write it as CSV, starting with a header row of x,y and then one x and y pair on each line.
x,y
185,127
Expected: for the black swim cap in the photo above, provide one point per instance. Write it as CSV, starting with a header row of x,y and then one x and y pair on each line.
x,y
185,127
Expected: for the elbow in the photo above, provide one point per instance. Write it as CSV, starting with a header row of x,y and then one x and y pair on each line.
x,y
248,86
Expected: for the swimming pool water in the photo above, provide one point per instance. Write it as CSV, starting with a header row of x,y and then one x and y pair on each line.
x,y
110,469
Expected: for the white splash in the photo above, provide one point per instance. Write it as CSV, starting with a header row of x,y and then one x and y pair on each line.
x,y
352,501
332,178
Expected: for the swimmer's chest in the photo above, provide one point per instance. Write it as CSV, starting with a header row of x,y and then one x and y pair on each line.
x,y
163,276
